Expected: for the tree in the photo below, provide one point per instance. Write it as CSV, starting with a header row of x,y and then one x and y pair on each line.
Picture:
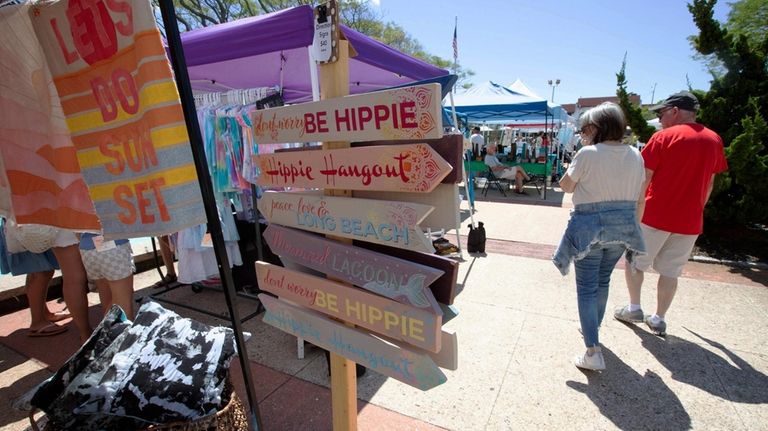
x,y
746,17
634,114
733,108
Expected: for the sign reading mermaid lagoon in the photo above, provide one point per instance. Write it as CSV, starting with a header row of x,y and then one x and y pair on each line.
x,y
403,281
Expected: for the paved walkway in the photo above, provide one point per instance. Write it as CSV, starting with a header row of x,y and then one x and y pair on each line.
x,y
517,332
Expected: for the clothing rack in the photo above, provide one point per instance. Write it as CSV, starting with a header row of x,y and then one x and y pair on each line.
x,y
261,97
244,96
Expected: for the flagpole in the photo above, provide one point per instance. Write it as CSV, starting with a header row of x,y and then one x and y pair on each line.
x,y
467,185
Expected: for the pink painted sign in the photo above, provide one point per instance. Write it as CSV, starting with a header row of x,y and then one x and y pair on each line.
x,y
389,223
388,276
402,113
415,369
409,324
400,168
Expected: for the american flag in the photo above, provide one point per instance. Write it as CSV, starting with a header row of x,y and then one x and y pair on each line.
x,y
455,41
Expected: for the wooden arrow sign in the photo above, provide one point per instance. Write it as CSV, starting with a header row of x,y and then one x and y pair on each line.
x,y
409,367
401,322
394,278
389,223
401,113
399,168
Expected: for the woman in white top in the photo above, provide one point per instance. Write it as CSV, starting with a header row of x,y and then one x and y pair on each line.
x,y
605,178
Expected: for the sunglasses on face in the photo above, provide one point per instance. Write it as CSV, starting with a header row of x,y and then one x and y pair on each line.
x,y
661,112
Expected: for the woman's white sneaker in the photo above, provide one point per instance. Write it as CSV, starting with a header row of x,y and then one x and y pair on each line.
x,y
594,362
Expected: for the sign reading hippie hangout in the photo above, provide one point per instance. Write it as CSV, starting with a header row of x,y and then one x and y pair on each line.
x,y
402,168
403,113
406,365
123,112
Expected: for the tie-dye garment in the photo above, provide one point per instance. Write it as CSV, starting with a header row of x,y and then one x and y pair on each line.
x,y
160,369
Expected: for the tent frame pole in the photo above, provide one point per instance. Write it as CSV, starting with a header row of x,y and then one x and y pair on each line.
x,y
209,201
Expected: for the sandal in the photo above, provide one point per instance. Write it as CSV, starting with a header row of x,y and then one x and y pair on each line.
x,y
58,316
48,330
165,281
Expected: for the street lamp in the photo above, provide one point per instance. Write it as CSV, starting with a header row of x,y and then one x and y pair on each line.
x,y
553,84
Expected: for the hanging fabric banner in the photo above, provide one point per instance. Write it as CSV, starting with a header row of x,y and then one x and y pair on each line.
x,y
123,111
40,180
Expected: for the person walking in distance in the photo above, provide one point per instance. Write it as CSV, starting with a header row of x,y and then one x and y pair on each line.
x,y
478,142
681,162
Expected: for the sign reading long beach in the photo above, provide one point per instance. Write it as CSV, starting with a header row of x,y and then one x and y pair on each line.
x,y
403,113
389,223
402,168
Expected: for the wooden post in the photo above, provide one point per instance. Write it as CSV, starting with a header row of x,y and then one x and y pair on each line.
x,y
334,82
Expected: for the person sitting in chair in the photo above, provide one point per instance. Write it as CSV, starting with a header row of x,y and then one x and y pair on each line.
x,y
516,173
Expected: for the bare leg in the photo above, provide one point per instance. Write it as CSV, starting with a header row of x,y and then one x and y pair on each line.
x,y
519,181
122,294
634,284
167,254
105,294
37,289
75,287
667,287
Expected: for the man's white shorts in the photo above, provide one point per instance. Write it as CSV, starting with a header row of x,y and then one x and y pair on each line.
x,y
667,252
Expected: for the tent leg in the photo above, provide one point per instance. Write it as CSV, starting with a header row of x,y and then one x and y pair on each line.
x,y
206,188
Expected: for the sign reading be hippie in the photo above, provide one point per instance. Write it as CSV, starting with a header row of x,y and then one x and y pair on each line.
x,y
402,113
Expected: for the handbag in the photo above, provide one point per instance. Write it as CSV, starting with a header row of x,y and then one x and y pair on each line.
x,y
476,238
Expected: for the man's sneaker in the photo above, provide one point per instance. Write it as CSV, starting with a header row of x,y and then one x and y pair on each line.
x,y
659,328
596,362
623,314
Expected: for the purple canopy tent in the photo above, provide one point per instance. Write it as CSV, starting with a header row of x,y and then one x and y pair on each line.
x,y
251,52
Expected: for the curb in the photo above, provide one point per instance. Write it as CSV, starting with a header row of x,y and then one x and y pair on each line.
x,y
733,263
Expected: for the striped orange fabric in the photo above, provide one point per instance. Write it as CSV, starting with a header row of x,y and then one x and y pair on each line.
x,y
144,47
123,112
147,72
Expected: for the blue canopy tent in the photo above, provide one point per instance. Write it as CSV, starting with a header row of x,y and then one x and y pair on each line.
x,y
558,113
490,102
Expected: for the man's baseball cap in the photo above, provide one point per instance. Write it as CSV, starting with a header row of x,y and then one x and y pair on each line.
x,y
683,100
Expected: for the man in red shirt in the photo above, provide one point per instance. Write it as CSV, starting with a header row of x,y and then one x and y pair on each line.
x,y
681,162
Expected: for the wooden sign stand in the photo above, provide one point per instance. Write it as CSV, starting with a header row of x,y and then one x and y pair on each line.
x,y
334,82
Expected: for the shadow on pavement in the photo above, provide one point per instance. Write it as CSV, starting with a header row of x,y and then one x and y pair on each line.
x,y
630,400
759,276
735,380
10,392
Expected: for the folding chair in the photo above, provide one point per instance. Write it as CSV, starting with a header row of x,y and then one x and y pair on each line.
x,y
493,179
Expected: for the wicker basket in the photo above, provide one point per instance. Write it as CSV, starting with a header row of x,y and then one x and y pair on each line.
x,y
231,417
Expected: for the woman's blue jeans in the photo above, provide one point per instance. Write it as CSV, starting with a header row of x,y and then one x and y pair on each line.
x,y
593,274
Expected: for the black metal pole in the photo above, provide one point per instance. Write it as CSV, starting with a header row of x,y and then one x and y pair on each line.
x,y
206,188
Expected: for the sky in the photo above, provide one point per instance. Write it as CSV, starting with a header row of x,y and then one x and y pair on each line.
x,y
580,42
